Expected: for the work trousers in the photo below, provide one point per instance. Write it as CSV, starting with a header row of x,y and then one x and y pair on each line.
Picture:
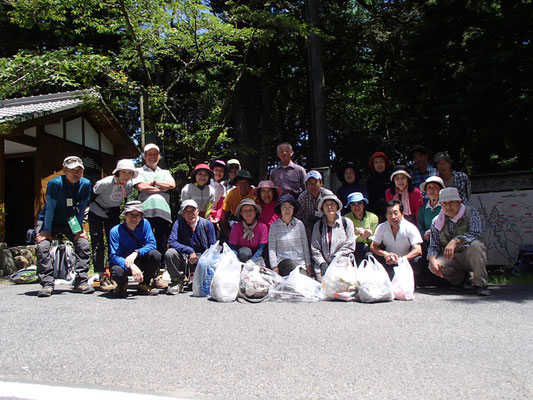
x,y
161,229
45,268
97,227
472,259
148,264
178,265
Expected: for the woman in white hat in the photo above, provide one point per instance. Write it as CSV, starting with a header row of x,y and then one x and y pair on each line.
x,y
332,235
104,213
403,190
431,207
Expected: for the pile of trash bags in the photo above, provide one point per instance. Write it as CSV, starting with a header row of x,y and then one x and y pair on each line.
x,y
221,276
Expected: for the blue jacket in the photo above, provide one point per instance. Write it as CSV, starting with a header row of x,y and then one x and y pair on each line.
x,y
121,244
185,241
56,211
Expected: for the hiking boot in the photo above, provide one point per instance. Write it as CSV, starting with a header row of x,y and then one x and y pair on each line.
x,y
482,290
107,284
144,289
159,283
83,288
121,290
46,291
176,286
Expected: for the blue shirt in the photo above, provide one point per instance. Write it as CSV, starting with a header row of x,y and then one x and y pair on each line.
x,y
185,241
121,244
56,211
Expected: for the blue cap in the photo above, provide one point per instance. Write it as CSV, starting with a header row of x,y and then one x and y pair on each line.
x,y
354,198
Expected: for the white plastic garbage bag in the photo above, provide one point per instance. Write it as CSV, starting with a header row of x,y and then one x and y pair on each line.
x,y
225,284
374,283
340,280
256,280
297,286
403,282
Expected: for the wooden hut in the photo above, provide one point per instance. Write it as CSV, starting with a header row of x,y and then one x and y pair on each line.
x,y
36,134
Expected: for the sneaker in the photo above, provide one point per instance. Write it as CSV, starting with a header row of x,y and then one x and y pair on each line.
x,y
107,284
83,288
46,291
482,290
121,290
144,289
176,286
159,283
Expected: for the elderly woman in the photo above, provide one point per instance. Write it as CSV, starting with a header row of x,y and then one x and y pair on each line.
x,y
364,222
266,194
431,207
248,237
459,180
403,190
349,175
287,240
332,235
133,251
104,214
378,182
200,190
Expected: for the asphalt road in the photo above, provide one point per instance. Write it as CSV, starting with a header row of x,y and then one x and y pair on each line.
x,y
442,345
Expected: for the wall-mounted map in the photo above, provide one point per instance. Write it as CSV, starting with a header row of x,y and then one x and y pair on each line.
x,y
507,219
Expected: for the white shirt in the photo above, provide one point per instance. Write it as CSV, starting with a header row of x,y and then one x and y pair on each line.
x,y
407,236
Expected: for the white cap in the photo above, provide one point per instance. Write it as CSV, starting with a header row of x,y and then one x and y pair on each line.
x,y
313,174
150,146
72,162
188,203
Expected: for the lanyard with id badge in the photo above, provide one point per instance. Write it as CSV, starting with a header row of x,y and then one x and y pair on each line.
x,y
73,222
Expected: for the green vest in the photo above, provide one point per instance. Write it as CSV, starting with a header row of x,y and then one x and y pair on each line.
x,y
460,229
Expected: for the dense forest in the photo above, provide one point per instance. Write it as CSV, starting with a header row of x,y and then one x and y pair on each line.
x,y
231,78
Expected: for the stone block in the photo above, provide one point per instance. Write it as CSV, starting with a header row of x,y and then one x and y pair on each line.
x,y
22,262
7,262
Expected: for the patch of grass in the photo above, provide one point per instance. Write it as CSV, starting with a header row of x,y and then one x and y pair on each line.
x,y
502,276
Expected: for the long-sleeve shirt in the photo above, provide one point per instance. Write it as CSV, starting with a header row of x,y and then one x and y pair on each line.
x,y
426,214
186,241
474,232
309,212
257,244
342,241
460,181
419,177
288,242
348,188
108,194
268,216
121,244
64,200
204,196
369,220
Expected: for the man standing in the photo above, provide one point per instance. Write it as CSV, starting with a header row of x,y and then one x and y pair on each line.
x,y
422,170
309,212
459,180
398,238
290,177
153,184
66,199
455,248
242,190
133,251
191,235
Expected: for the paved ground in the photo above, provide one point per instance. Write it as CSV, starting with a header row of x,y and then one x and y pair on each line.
x,y
442,345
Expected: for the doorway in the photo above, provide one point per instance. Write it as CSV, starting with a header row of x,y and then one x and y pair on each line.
x,y
20,196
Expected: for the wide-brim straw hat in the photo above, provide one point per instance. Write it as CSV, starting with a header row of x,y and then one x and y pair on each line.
x,y
126,165
432,179
329,197
247,202
134,205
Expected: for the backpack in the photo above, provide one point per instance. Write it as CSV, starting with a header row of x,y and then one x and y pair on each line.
x,y
344,224
25,275
63,261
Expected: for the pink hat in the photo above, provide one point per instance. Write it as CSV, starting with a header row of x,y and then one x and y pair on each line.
x,y
200,167
265,185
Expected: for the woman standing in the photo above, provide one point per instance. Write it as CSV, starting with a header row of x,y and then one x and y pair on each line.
x,y
266,194
332,235
349,175
403,190
378,182
104,214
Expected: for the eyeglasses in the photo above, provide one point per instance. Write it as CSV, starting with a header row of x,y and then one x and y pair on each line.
x,y
287,207
357,203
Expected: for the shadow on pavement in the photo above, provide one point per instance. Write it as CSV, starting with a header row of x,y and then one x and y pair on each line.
x,y
499,293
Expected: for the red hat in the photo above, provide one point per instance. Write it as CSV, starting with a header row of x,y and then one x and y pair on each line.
x,y
378,154
200,167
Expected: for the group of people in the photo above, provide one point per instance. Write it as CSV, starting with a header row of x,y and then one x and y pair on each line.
x,y
287,221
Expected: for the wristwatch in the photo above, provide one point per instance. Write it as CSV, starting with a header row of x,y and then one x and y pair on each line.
x,y
153,182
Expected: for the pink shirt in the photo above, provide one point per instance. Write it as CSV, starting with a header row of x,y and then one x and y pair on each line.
x,y
268,216
260,236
